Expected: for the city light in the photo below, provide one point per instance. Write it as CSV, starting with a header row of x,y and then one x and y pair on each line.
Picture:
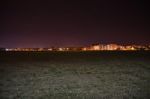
x,y
93,47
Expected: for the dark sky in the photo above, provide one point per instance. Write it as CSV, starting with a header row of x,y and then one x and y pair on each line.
x,y
39,23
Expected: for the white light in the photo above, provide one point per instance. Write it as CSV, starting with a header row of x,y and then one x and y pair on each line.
x,y
7,49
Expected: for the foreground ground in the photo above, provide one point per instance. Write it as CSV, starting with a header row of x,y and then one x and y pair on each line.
x,y
74,75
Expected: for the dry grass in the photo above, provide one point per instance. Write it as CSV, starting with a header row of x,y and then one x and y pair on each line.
x,y
75,76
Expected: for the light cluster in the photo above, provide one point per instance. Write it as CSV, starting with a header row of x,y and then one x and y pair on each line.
x,y
93,47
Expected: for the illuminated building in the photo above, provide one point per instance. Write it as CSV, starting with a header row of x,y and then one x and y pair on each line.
x,y
112,47
84,49
97,47
50,49
61,49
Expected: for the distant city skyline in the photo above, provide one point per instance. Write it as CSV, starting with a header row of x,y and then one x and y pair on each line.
x,y
92,47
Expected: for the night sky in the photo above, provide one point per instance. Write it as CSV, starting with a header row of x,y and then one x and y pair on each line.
x,y
39,23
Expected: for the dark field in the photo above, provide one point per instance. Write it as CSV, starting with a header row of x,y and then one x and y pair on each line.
x,y
75,75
